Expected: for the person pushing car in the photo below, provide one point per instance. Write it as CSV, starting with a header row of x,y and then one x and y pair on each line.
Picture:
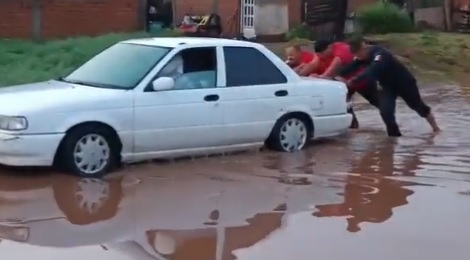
x,y
301,61
396,81
333,56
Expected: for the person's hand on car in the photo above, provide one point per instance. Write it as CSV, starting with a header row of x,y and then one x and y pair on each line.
x,y
325,76
290,63
341,79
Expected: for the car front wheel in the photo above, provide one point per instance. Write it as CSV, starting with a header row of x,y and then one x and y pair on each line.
x,y
289,134
89,151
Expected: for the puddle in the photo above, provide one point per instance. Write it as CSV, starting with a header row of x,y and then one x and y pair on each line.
x,y
360,197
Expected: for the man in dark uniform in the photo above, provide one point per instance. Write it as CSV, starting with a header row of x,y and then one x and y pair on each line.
x,y
396,81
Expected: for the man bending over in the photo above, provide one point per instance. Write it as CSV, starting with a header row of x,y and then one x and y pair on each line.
x,y
396,81
303,62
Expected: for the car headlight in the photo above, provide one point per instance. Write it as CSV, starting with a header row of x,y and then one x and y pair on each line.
x,y
13,123
14,233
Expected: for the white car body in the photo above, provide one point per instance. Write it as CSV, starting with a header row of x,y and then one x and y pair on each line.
x,y
167,124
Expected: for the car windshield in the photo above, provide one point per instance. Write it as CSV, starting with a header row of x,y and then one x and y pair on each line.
x,y
121,66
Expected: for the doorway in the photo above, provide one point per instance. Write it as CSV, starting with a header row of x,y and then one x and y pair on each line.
x,y
247,18
159,15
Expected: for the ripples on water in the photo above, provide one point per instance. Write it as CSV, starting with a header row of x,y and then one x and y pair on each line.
x,y
217,208
441,155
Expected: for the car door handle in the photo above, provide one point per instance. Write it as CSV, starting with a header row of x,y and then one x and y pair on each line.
x,y
211,98
281,93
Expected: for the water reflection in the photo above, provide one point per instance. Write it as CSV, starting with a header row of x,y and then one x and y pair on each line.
x,y
261,203
212,243
369,194
202,209
84,201
184,216
50,211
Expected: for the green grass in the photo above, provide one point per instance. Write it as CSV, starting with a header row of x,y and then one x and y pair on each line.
x,y
24,61
445,52
433,55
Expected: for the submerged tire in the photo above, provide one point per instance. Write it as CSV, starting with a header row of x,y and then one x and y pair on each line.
x,y
89,151
290,133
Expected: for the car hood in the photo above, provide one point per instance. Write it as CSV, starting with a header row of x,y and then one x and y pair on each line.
x,y
56,96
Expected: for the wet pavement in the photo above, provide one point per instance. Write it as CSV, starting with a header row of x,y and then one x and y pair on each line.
x,y
361,196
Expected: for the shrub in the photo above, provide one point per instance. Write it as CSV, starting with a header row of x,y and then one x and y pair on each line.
x,y
383,17
299,32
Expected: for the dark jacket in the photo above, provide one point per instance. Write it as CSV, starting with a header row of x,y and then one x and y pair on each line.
x,y
383,67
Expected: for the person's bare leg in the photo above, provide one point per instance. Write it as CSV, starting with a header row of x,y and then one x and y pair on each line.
x,y
354,122
432,121
413,99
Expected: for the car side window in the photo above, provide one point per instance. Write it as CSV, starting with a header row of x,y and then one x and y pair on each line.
x,y
247,66
194,68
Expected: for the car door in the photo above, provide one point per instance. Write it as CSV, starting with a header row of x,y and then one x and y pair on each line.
x,y
255,93
185,117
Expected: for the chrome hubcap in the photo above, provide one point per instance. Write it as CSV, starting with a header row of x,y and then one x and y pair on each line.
x,y
293,135
91,153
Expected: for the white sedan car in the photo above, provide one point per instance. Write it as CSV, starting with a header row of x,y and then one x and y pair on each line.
x,y
165,98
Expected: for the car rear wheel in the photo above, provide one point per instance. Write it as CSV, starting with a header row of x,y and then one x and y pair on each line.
x,y
89,151
289,134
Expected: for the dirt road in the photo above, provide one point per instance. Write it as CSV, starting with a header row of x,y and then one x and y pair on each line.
x,y
362,196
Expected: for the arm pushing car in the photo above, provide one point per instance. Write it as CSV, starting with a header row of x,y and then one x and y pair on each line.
x,y
331,58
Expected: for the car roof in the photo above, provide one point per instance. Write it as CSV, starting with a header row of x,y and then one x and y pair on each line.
x,y
173,42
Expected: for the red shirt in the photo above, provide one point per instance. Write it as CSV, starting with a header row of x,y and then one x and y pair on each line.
x,y
342,51
338,50
359,85
307,57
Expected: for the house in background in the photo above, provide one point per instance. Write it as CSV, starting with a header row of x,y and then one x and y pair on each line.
x,y
65,18
245,17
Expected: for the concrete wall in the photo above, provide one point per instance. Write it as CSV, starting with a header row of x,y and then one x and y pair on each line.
x,y
433,16
271,19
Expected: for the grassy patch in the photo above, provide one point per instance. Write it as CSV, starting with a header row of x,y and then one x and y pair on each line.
x,y
433,54
443,52
23,61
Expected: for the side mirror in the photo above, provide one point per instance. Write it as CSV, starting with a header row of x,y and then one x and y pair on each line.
x,y
163,83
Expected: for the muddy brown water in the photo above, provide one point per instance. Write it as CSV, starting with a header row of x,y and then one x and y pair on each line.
x,y
361,196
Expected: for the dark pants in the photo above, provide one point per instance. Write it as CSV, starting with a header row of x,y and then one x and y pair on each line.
x,y
410,94
371,94
385,101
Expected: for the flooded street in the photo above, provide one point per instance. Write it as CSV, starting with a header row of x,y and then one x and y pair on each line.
x,y
361,196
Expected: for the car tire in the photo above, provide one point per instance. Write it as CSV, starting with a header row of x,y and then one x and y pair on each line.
x,y
290,133
99,147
